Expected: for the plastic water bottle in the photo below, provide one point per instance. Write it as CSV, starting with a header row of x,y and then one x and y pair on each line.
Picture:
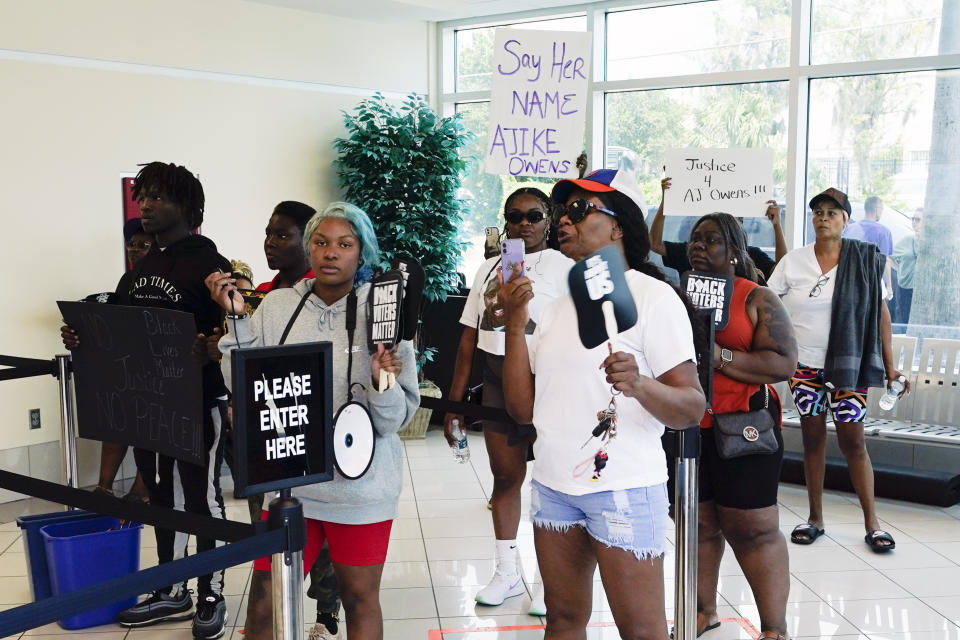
x,y
461,449
890,398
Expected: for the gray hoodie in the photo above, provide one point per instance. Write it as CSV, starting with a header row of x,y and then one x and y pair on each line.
x,y
373,497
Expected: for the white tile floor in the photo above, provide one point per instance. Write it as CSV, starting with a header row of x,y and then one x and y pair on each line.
x,y
442,551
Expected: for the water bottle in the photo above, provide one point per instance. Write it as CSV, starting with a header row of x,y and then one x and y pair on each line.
x,y
890,398
461,449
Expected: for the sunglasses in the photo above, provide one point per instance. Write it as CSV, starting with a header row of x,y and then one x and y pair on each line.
x,y
577,210
533,216
818,287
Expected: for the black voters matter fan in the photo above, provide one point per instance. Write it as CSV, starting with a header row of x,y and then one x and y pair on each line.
x,y
711,292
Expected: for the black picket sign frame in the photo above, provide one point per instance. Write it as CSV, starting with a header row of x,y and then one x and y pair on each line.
x,y
252,470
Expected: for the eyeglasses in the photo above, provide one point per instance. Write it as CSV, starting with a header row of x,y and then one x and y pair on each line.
x,y
533,216
822,280
577,210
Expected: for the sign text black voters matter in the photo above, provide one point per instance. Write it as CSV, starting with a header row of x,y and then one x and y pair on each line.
x,y
136,378
282,416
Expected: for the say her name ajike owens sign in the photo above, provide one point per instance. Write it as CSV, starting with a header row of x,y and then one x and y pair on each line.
x,y
537,102
282,416
136,379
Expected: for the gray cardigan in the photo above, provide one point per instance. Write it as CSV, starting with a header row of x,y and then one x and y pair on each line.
x,y
373,497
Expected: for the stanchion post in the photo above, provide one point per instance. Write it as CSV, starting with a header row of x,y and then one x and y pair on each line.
x,y
687,443
287,567
68,444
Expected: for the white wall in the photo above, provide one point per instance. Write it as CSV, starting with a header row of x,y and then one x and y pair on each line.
x,y
248,97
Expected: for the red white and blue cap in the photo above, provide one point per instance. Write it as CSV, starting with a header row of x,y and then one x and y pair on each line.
x,y
603,181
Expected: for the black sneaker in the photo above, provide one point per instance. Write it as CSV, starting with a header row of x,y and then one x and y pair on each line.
x,y
159,607
211,619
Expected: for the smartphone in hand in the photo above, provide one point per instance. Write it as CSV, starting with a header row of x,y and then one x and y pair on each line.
x,y
491,245
511,254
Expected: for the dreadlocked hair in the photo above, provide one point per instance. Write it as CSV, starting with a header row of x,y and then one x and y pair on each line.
x,y
736,241
548,206
636,248
176,184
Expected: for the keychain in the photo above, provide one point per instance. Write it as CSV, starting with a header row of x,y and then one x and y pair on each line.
x,y
606,430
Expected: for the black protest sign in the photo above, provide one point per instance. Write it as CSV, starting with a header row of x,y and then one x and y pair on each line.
x,y
711,291
136,380
413,282
282,426
383,316
597,279
703,331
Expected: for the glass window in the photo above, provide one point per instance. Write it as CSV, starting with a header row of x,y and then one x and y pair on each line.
x,y
641,125
853,30
889,142
483,192
701,37
474,49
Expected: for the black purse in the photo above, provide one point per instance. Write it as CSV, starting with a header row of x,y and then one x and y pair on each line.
x,y
745,433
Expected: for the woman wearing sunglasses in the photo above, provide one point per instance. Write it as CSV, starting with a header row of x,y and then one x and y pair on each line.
x,y
738,495
834,292
616,518
527,214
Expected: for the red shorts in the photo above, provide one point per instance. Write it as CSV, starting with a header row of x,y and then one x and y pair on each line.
x,y
355,545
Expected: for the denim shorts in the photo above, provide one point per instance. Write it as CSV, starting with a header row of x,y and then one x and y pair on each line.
x,y
635,520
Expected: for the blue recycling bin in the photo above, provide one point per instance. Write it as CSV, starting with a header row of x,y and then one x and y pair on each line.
x,y
84,552
38,574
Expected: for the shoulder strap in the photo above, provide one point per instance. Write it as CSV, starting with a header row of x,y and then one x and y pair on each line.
x,y
293,318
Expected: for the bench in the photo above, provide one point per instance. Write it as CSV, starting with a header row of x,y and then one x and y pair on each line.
x,y
914,446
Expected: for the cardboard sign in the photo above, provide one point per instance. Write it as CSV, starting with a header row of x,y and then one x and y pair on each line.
x,y
413,281
282,416
597,281
538,97
136,380
734,181
709,291
383,316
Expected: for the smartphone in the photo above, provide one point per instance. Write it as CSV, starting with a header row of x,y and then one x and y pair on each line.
x,y
491,244
511,255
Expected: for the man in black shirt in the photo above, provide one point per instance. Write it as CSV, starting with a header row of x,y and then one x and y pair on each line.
x,y
675,253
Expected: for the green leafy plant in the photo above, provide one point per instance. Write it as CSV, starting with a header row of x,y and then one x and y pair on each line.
x,y
402,165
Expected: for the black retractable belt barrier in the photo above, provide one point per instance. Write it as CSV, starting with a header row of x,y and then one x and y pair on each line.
x,y
26,367
247,542
685,451
467,409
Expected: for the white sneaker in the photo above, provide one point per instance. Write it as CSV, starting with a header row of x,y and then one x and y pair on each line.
x,y
537,605
501,587
319,631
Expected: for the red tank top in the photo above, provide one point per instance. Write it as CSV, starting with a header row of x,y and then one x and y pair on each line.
x,y
730,395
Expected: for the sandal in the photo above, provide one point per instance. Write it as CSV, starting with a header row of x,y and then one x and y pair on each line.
x,y
876,537
806,533
776,636
709,627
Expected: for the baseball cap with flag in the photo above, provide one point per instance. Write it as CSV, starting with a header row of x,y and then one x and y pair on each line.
x,y
612,181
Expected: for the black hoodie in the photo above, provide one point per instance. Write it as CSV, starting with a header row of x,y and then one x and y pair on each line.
x,y
172,278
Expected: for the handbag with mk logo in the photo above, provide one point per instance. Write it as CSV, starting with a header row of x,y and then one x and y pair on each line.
x,y
745,433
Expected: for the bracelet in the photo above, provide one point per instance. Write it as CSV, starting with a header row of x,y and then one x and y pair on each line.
x,y
235,316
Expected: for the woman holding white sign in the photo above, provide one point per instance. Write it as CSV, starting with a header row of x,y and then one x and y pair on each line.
x,y
617,519
742,448
527,215
354,516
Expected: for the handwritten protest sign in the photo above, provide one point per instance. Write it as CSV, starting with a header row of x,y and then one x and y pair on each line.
x,y
734,181
537,103
282,413
136,379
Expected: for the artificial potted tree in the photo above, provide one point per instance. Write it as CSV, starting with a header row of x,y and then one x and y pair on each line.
x,y
402,165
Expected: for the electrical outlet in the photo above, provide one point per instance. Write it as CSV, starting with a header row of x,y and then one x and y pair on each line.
x,y
34,418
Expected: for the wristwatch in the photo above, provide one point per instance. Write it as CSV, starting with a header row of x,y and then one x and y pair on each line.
x,y
726,357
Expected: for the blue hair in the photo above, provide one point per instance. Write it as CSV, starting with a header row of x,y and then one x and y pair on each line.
x,y
360,221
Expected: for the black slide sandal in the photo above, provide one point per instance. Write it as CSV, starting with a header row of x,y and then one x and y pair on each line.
x,y
806,533
874,538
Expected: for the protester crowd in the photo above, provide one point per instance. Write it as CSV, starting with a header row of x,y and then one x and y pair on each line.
x,y
815,317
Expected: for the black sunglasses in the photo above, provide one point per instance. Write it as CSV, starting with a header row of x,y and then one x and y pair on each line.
x,y
577,210
533,216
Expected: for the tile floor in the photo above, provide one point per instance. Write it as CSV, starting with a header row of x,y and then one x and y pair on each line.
x,y
441,552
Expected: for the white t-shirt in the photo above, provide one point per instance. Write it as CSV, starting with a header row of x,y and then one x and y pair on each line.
x,y
571,388
793,280
547,270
